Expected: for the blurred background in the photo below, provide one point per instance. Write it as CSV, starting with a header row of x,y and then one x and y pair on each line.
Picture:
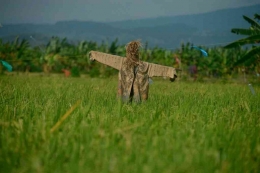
x,y
51,36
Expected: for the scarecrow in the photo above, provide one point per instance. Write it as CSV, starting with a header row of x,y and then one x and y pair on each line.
x,y
133,83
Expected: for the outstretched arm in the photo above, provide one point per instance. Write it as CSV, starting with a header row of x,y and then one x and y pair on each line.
x,y
163,71
107,59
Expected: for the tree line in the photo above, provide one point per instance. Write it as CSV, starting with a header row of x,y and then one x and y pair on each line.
x,y
59,54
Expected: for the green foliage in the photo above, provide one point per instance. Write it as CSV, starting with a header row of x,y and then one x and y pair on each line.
x,y
113,47
183,127
75,72
94,72
249,40
257,16
246,32
252,57
60,53
253,23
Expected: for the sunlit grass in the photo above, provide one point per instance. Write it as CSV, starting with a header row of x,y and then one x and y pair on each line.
x,y
183,127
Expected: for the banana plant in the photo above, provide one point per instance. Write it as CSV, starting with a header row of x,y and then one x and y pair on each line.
x,y
253,33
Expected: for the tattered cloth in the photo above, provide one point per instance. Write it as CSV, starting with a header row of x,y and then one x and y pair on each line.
x,y
133,82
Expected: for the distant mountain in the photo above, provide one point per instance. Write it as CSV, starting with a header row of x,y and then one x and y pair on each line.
x,y
73,30
167,32
221,19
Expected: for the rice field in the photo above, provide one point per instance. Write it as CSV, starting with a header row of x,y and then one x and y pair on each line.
x,y
183,127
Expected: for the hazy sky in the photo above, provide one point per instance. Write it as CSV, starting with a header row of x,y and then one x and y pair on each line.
x,y
50,11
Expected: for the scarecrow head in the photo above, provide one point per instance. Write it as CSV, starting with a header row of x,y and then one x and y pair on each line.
x,y
132,50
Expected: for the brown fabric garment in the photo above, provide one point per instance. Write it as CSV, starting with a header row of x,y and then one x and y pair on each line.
x,y
133,84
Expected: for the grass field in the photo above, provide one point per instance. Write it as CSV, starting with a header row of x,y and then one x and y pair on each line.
x,y
183,127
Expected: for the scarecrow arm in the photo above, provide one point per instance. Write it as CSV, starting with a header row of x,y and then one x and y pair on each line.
x,y
163,71
113,61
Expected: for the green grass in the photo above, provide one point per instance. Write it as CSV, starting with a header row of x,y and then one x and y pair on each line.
x,y
183,127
